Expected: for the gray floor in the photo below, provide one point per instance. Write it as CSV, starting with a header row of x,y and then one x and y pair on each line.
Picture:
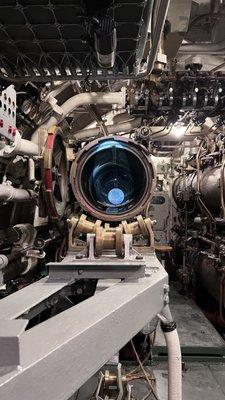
x,y
198,338
201,381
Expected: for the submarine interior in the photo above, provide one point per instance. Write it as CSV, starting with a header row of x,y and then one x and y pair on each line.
x,y
112,199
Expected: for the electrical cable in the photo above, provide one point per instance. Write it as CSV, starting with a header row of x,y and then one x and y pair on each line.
x,y
152,389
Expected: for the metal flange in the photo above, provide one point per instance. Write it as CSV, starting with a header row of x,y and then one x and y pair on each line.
x,y
54,174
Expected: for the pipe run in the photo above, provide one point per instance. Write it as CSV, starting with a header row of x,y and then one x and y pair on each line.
x,y
203,48
83,99
156,37
8,193
19,147
126,126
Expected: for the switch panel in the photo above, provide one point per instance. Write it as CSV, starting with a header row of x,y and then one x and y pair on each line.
x,y
8,113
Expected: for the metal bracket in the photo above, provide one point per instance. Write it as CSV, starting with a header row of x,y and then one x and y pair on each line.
x,y
85,265
73,269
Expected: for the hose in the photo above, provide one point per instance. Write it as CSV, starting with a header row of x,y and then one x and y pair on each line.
x,y
20,147
174,361
169,329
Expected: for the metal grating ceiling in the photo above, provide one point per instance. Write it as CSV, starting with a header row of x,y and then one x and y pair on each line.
x,y
44,40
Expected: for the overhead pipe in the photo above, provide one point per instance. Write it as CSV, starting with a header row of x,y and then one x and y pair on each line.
x,y
111,129
8,193
83,99
156,37
217,67
203,48
167,134
118,98
128,125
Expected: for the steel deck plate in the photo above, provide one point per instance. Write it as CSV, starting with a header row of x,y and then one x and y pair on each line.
x,y
198,338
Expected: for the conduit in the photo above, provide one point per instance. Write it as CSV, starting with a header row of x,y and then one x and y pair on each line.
x,y
111,129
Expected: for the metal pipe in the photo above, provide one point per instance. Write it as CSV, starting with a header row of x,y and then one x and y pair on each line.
x,y
58,89
178,145
26,147
167,134
158,30
12,265
9,193
83,99
31,170
218,67
91,109
204,48
112,129
87,98
20,147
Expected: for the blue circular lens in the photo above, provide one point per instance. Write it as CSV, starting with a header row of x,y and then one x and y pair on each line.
x,y
116,196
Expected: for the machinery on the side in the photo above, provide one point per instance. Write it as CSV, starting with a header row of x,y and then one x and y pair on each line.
x,y
199,194
93,96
